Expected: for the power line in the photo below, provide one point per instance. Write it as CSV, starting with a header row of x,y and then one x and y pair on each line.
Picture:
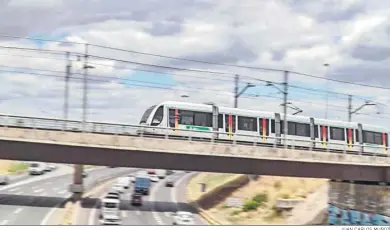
x,y
122,79
204,62
249,96
175,68
160,85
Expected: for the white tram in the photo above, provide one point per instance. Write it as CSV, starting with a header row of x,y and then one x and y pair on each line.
x,y
262,127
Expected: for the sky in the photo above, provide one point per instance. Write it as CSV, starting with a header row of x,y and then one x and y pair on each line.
x,y
296,35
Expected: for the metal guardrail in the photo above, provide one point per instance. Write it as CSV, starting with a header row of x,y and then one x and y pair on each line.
x,y
49,124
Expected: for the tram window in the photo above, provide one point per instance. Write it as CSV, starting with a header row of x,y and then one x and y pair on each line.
x,y
337,134
171,118
302,130
186,117
378,138
220,121
202,119
357,135
316,131
368,137
146,114
247,123
158,116
272,126
296,129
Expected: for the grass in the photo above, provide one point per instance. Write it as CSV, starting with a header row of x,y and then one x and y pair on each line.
x,y
17,167
260,197
212,180
7,166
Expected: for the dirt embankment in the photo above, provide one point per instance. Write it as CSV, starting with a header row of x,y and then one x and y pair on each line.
x,y
259,197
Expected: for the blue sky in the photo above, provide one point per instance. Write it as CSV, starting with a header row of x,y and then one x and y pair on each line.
x,y
50,36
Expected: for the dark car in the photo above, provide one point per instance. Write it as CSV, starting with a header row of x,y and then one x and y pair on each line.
x,y
169,183
136,199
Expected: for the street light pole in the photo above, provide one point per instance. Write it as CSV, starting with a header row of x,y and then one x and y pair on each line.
x,y
349,108
285,94
66,93
85,90
327,90
238,94
350,112
236,81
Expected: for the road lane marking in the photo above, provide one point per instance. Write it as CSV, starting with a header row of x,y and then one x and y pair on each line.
x,y
4,222
14,189
124,214
167,214
49,214
38,190
174,190
62,192
18,210
156,216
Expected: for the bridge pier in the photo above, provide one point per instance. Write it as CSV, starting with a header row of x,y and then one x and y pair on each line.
x,y
77,188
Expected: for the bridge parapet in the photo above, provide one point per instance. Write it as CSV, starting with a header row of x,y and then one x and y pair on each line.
x,y
191,146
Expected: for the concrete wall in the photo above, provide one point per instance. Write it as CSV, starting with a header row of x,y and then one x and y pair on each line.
x,y
358,204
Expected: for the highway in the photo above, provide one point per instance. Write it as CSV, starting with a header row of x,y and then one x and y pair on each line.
x,y
31,200
157,208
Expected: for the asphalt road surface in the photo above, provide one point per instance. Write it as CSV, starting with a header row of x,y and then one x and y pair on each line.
x,y
157,208
32,200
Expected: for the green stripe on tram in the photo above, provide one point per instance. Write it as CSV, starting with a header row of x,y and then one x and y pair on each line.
x,y
199,128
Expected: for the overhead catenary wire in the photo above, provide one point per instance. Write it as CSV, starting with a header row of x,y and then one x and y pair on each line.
x,y
170,87
48,51
119,78
199,61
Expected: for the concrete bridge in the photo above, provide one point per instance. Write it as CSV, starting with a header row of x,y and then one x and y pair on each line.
x,y
30,144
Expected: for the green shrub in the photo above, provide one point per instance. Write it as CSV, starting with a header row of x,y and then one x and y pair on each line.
x,y
250,205
261,198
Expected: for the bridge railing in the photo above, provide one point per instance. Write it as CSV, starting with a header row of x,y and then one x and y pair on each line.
x,y
315,147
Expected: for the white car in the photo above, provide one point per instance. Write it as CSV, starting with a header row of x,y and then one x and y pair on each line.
x,y
113,194
36,168
183,218
4,179
153,178
132,178
110,219
52,167
124,181
118,187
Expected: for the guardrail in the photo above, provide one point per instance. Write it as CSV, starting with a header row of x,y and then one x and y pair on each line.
x,y
246,144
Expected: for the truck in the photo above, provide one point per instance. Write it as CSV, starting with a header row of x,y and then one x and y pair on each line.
x,y
142,184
